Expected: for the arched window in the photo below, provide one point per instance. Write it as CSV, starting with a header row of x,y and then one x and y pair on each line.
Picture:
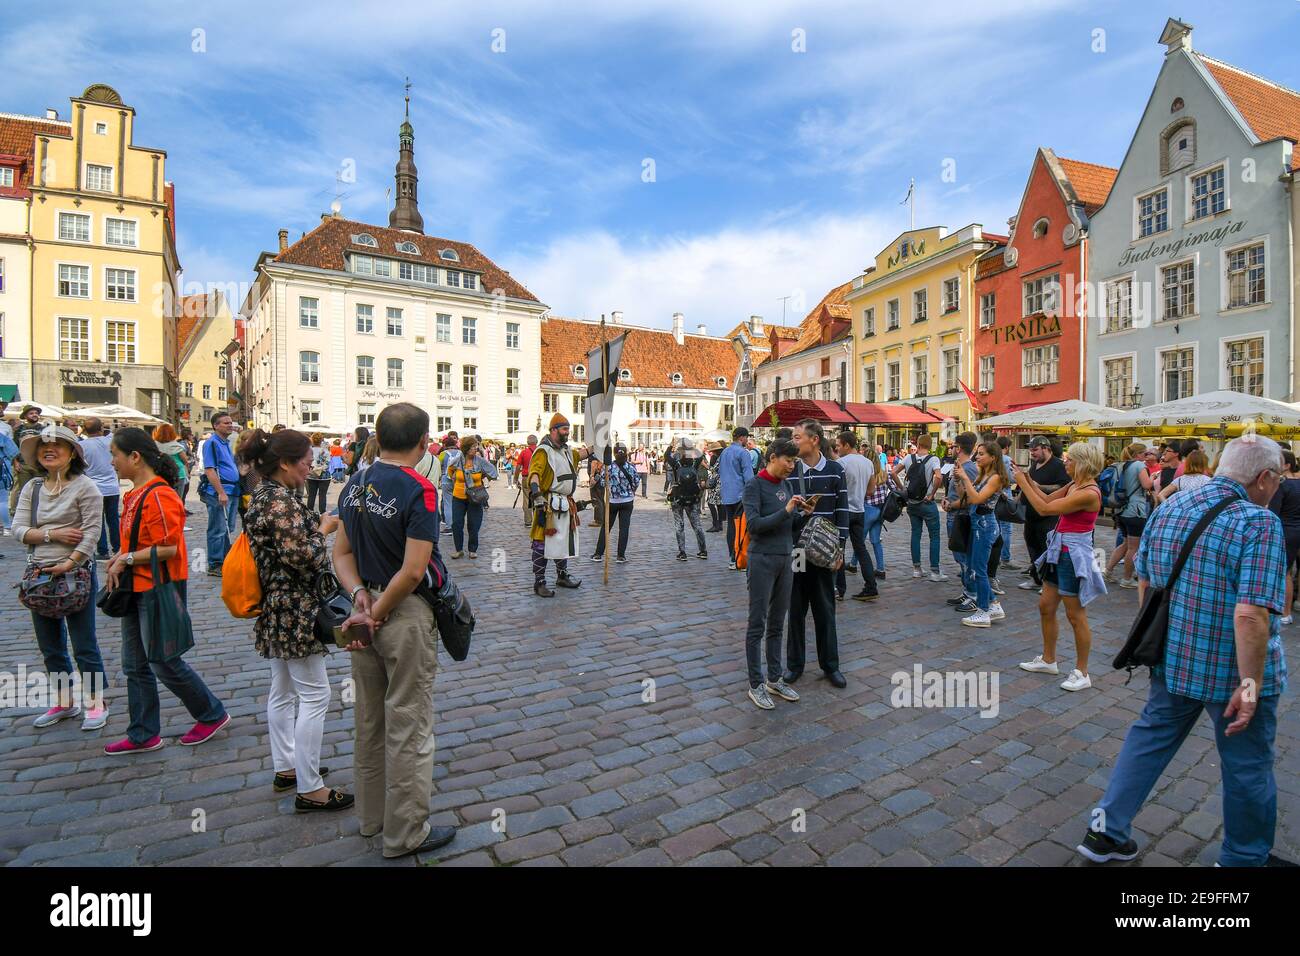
x,y
449,255
409,248
365,370
365,239
1040,228
394,373
677,378
625,375
1178,146
579,371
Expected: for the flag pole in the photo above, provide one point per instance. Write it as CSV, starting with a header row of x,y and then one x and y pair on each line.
x,y
608,454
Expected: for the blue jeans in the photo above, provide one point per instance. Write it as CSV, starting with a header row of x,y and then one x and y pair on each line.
x,y
926,513
108,530
142,684
873,524
984,533
462,510
53,634
1246,759
221,525
1005,526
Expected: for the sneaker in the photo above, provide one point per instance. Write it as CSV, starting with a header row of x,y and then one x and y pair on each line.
x,y
1076,681
201,732
681,555
703,555
937,576
1027,585
732,565
1040,666
978,619
917,572
458,554
850,569
996,613
865,595
595,558
963,599
55,714
473,555
214,572
95,718
1129,583
783,690
880,575
995,586
1011,565
125,746
1100,848
619,560
759,696
965,607
1286,620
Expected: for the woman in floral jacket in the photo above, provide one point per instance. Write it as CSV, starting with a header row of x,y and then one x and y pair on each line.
x,y
288,545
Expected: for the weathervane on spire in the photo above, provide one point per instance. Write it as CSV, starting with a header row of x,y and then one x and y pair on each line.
x,y
408,97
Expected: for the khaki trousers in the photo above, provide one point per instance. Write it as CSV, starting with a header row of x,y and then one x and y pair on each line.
x,y
393,762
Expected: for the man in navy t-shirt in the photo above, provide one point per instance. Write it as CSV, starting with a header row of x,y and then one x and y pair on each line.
x,y
386,549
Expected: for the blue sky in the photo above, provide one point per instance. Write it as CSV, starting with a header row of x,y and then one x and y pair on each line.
x,y
777,173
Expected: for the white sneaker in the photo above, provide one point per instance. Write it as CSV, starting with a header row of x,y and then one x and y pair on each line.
x,y
938,576
978,619
917,572
996,586
1027,585
1129,583
1040,666
1076,681
1286,620
996,613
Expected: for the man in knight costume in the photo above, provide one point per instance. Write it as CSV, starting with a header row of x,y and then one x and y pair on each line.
x,y
552,483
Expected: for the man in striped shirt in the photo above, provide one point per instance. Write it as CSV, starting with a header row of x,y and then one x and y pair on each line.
x,y
814,587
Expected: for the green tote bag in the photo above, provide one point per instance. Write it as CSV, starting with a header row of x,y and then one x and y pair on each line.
x,y
165,628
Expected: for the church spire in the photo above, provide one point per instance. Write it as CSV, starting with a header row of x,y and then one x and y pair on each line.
x,y
406,211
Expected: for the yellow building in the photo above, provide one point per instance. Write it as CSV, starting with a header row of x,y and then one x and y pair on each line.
x,y
203,330
912,321
103,265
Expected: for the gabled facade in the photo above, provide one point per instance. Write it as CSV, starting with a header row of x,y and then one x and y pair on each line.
x,y
1191,257
203,330
815,363
1029,328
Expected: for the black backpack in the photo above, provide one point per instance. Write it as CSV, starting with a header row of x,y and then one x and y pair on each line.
x,y
917,486
687,489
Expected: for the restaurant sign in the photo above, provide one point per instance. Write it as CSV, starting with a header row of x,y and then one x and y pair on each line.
x,y
1028,330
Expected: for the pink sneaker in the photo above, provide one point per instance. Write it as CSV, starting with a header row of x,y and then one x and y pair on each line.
x,y
55,714
201,731
125,746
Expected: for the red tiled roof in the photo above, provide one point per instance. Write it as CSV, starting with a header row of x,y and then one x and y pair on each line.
x,y
1272,111
651,355
810,329
1091,182
189,320
324,246
17,138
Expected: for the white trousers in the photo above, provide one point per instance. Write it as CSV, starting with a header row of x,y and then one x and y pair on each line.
x,y
296,737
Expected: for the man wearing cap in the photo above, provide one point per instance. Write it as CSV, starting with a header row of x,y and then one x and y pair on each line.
x,y
735,469
1047,471
552,482
29,423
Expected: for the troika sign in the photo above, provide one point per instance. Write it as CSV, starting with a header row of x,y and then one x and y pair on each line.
x,y
1158,250
1028,330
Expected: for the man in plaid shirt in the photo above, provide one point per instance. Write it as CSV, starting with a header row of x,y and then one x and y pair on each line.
x,y
1223,654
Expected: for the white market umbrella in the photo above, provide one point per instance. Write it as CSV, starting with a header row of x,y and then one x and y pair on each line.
x,y
1230,413
718,434
116,413
1071,415
48,410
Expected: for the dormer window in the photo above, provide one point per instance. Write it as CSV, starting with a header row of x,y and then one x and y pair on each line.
x,y
625,375
677,378
6,177
579,371
1040,228
365,239
722,381
410,248
1178,146
449,255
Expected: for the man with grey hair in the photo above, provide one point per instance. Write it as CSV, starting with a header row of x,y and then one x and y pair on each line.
x,y
1223,654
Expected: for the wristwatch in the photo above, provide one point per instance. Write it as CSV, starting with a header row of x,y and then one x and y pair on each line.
x,y
130,558
47,535
352,595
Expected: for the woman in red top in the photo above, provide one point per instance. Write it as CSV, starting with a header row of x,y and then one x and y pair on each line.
x,y
137,459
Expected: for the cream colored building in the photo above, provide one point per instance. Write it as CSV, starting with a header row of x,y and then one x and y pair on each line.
x,y
204,329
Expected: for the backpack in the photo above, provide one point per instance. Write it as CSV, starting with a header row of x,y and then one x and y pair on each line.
x,y
917,486
1106,483
1118,497
241,588
687,489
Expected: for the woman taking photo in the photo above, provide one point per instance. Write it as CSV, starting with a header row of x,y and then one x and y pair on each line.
x,y
468,475
1069,568
62,536
714,496
623,482
152,474
978,497
318,478
288,545
1136,481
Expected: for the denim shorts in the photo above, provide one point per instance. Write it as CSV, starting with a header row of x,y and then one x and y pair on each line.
x,y
1062,576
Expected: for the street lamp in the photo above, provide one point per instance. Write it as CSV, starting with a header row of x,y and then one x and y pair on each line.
x,y
1135,398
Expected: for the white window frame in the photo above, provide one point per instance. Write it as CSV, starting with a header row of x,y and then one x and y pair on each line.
x,y
400,371
357,365
1047,362
439,383
309,411
1102,396
1224,377
921,296
988,310
943,363
388,322
73,214
90,337
1195,348
517,378
468,379
515,334
302,367
135,225
366,413
112,177
7,177
955,284
1137,219
893,315
512,420
870,378
439,327
1045,290
207,392
315,312
988,372
1223,274
1188,198
101,128
356,318
90,280
468,330
135,284
134,344
1195,261
924,390
869,321
898,364
1103,295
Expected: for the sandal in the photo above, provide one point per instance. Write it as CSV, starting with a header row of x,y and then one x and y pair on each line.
x,y
338,800
283,783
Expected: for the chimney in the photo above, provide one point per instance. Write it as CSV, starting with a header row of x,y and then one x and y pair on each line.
x,y
756,326
326,216
701,329
51,113
679,328
284,239
616,317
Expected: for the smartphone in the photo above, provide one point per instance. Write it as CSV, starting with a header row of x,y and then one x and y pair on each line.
x,y
341,638
812,499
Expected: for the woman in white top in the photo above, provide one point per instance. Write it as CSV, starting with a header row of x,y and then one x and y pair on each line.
x,y
1196,472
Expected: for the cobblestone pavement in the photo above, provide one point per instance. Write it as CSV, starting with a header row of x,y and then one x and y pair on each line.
x,y
549,723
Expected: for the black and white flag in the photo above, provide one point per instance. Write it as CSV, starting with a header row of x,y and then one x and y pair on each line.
x,y
602,373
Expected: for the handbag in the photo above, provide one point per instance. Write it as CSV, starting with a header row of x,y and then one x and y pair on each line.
x,y
819,539
892,508
1010,510
333,607
241,585
165,627
118,601
46,594
1145,646
959,537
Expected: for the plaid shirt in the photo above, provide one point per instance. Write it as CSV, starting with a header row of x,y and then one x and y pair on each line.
x,y
1237,560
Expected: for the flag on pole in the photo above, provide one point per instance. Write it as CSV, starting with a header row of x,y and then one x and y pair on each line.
x,y
602,375
970,396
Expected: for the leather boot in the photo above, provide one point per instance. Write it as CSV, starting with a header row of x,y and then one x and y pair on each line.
x,y
541,590
565,581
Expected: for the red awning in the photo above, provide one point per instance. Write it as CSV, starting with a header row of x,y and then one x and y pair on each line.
x,y
866,414
792,410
